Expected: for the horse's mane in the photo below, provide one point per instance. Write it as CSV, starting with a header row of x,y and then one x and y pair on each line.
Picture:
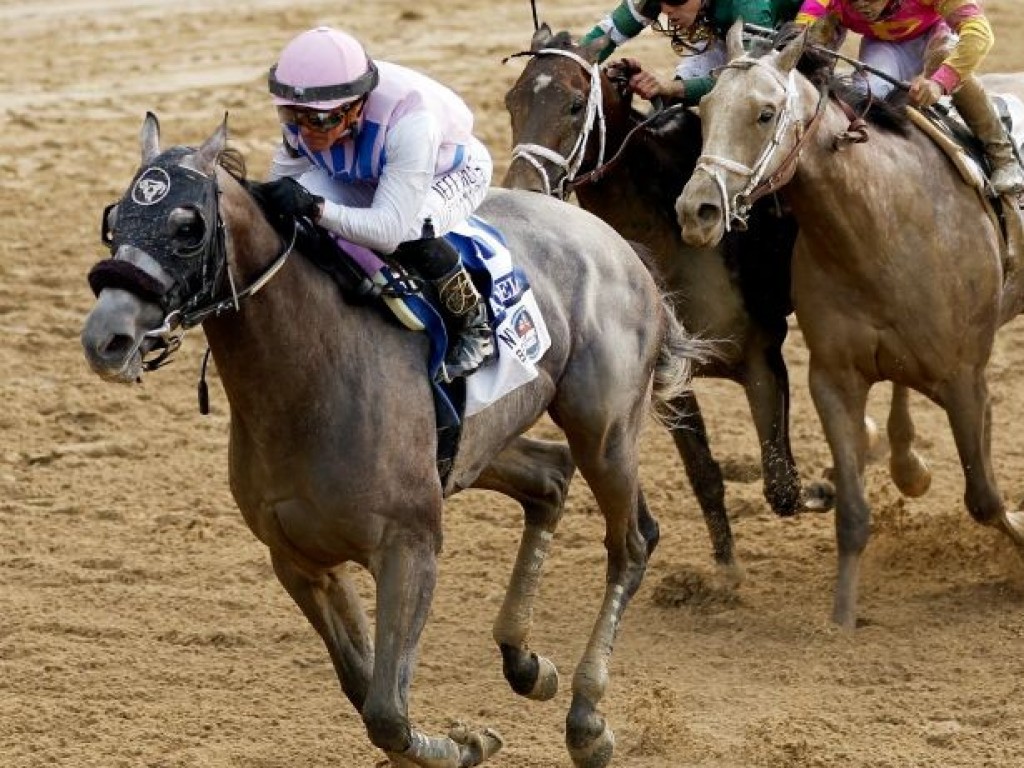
x,y
232,161
888,114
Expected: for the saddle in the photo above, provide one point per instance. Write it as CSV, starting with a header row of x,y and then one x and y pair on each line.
x,y
949,132
365,277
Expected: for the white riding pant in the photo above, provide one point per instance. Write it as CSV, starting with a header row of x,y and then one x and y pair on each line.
x,y
905,59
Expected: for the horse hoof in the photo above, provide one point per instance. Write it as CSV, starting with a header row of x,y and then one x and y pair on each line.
x,y
819,496
730,576
474,747
911,475
597,753
875,444
1014,526
547,681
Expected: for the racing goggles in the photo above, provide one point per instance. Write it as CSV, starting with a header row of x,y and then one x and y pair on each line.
x,y
320,121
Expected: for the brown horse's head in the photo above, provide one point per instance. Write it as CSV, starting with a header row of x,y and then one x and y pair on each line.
x,y
563,110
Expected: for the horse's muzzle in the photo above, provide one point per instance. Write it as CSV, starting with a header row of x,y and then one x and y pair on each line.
x,y
114,337
700,215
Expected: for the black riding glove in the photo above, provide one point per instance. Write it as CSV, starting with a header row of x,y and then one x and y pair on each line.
x,y
289,198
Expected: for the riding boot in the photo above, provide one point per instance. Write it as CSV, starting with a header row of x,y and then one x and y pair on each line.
x,y
466,313
974,106
474,343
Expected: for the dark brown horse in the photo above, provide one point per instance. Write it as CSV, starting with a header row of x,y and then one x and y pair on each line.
x,y
332,445
568,117
898,275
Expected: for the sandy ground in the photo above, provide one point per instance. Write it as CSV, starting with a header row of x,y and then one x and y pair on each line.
x,y
140,623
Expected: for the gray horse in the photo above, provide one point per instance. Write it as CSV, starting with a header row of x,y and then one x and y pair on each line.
x,y
332,444
898,274
573,129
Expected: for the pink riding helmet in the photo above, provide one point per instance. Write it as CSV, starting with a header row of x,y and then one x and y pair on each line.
x,y
321,69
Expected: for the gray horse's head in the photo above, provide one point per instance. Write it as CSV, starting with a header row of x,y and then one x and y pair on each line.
x,y
167,255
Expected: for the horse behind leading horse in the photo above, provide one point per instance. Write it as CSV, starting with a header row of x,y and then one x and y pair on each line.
x,y
332,438
898,274
568,118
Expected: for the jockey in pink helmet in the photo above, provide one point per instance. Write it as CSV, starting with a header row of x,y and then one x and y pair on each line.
x,y
385,157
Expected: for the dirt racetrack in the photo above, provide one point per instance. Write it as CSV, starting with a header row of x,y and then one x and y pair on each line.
x,y
140,622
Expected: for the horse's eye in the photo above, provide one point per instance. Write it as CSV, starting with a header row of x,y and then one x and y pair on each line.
x,y
187,231
579,101
767,113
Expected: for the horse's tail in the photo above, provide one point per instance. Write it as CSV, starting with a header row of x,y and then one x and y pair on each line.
x,y
674,367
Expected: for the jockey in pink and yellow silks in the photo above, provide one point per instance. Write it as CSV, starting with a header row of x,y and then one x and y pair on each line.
x,y
901,37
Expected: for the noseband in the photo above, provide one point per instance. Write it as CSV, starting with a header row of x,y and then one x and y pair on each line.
x,y
536,154
736,210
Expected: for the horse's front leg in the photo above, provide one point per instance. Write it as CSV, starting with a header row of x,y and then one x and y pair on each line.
x,y
330,602
705,476
405,568
840,397
766,385
536,474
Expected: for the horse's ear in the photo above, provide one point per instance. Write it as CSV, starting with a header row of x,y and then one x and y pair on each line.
x,y
149,136
734,40
592,51
206,157
541,37
790,55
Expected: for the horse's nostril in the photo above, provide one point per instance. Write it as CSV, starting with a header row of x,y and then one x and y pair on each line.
x,y
708,213
116,346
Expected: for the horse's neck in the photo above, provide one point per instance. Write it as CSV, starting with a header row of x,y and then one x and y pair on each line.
x,y
625,196
292,335
849,192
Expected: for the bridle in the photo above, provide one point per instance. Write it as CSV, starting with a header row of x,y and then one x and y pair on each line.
x,y
193,296
537,154
736,210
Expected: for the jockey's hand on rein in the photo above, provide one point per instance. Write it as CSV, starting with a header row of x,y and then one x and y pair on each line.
x,y
288,197
924,91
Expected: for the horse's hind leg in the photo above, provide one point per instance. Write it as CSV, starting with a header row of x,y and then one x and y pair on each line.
x,y
331,603
908,470
705,476
967,405
536,474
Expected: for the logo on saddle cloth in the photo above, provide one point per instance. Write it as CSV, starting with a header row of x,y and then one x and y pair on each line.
x,y
516,319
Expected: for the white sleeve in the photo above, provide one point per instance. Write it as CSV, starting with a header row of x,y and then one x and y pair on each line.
x,y
284,164
411,148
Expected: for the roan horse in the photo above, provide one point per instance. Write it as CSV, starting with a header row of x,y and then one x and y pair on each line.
x,y
567,118
333,428
897,274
